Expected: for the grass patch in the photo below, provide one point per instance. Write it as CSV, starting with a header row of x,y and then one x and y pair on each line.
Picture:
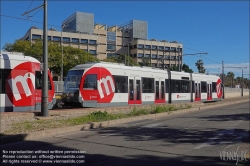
x,y
97,116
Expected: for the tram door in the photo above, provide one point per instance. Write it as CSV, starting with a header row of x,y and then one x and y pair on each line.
x,y
197,91
209,91
159,91
134,90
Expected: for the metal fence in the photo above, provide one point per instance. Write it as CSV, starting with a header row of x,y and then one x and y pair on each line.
x,y
58,87
231,90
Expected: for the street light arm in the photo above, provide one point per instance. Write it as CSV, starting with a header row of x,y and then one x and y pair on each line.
x,y
25,13
196,53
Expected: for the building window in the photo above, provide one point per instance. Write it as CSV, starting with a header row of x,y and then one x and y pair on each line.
x,y
147,46
140,55
160,56
154,47
110,47
109,55
179,49
166,57
49,38
173,48
161,48
167,48
140,46
92,41
154,56
56,38
93,52
75,40
66,39
84,40
36,37
111,36
147,55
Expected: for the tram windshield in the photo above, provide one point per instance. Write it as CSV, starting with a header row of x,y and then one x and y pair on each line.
x,y
73,79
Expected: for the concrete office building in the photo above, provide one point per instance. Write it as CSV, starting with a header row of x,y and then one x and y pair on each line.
x,y
103,41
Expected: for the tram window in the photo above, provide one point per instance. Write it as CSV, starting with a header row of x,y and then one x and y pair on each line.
x,y
193,90
167,85
38,81
1,81
147,85
121,84
176,86
90,81
49,84
4,73
203,87
213,86
185,86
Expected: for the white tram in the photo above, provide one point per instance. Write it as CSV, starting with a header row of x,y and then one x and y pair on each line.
x,y
102,84
21,83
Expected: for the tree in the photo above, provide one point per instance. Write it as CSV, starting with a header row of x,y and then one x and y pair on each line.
x,y
174,68
71,56
8,47
200,66
145,62
121,59
186,68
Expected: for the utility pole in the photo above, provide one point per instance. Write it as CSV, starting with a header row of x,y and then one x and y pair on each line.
x,y
223,93
242,83
179,67
123,43
128,54
44,108
44,103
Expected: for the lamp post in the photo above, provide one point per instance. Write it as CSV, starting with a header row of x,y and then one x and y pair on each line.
x,y
62,56
179,67
44,106
242,83
128,53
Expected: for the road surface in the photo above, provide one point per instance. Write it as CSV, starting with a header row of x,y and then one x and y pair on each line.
x,y
217,136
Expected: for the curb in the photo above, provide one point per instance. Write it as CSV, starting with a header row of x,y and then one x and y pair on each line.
x,y
94,125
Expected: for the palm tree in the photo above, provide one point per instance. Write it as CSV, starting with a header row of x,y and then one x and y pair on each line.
x,y
200,66
231,76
